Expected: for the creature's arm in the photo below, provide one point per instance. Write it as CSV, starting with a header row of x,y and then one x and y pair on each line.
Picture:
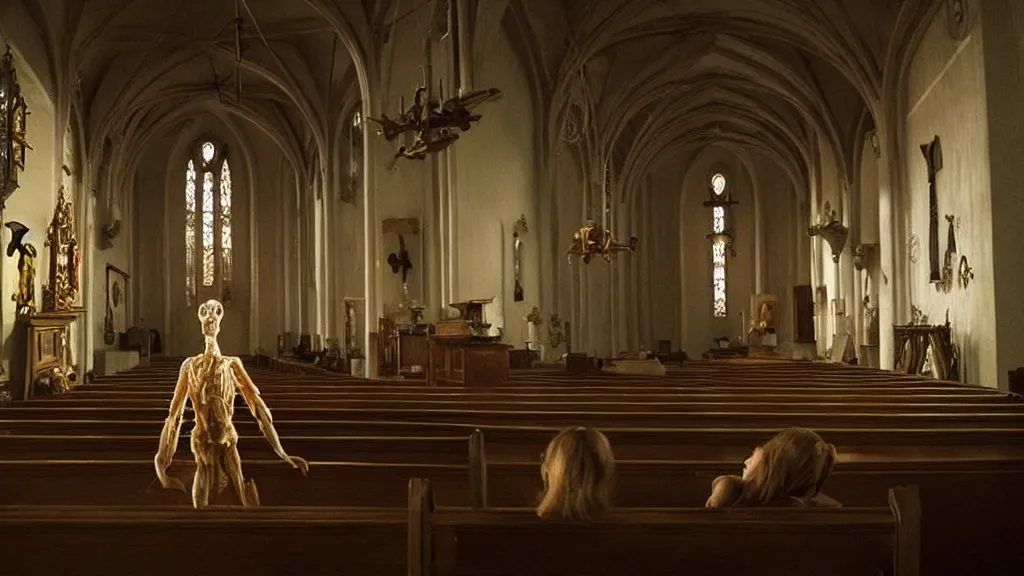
x,y
724,491
169,436
259,410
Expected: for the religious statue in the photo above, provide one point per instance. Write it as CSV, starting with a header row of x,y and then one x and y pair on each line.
x,y
25,297
517,258
211,381
555,334
870,319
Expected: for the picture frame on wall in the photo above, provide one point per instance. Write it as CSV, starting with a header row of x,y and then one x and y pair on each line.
x,y
118,303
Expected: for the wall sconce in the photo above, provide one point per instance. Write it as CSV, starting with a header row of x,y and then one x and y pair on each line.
x,y
724,237
832,230
876,146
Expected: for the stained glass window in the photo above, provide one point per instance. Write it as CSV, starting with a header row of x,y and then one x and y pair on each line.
x,y
208,245
718,249
208,229
190,233
225,223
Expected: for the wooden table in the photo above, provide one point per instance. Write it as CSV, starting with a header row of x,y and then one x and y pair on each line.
x,y
467,362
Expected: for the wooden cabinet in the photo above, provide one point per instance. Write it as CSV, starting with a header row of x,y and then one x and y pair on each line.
x,y
464,362
48,358
803,313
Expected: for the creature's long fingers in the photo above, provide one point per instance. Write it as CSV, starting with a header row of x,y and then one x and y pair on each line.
x,y
300,463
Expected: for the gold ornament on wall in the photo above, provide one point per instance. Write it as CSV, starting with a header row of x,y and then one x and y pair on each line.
x,y
13,122
966,272
61,292
832,230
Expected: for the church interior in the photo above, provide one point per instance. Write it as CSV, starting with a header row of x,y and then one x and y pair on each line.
x,y
495,276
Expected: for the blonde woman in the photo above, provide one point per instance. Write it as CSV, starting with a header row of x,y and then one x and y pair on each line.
x,y
788,470
578,469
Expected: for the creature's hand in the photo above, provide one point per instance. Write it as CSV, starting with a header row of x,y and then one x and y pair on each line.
x,y
169,482
300,463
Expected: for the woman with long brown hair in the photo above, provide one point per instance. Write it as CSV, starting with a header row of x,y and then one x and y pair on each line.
x,y
788,470
578,469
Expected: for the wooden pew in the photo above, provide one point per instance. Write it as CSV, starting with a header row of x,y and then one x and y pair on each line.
x,y
450,542
171,541
635,404
418,540
555,418
524,443
122,395
641,484
389,449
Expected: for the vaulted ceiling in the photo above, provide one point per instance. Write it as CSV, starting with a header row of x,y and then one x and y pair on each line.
x,y
655,78
647,78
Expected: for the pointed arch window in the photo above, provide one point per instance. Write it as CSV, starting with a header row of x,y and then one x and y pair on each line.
x,y
208,224
721,242
355,167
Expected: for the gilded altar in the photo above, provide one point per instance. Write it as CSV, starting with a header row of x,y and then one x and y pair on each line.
x,y
61,292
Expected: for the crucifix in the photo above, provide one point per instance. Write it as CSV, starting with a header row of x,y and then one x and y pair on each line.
x,y
399,261
933,157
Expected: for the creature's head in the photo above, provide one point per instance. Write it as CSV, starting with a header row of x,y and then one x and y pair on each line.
x,y
211,313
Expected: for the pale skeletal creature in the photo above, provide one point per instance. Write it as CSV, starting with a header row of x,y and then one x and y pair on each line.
x,y
211,382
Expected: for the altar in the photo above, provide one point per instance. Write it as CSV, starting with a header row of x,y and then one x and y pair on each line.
x,y
465,362
464,352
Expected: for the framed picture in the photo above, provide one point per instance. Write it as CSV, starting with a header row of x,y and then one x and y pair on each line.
x,y
118,290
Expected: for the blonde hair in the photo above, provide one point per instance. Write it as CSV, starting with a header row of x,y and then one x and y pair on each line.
x,y
579,475
796,463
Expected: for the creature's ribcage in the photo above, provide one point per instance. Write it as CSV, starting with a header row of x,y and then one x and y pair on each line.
x,y
213,399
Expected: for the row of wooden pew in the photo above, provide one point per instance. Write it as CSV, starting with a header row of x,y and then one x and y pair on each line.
x,y
671,435
420,539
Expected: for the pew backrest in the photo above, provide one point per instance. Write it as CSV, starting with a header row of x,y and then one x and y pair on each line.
x,y
854,541
170,541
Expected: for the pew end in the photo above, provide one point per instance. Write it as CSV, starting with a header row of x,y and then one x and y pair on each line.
x,y
905,503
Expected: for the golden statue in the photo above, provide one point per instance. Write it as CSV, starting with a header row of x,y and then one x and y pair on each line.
x,y
25,297
211,381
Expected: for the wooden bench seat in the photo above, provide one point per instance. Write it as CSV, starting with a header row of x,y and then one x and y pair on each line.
x,y
694,542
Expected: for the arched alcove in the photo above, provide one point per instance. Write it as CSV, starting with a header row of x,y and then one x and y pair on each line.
x,y
717,237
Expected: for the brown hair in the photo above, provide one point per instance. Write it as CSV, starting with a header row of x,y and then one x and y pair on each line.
x,y
579,475
795,463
